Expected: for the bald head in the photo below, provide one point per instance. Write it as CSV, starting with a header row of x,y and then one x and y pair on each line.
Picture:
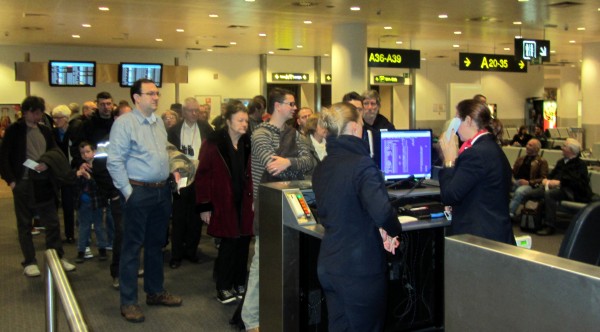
x,y
533,147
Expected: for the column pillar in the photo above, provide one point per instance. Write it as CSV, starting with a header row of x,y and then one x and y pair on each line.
x,y
590,85
348,60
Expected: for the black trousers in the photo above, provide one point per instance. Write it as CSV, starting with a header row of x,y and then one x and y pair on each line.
x,y
24,206
354,303
231,266
117,214
67,200
186,225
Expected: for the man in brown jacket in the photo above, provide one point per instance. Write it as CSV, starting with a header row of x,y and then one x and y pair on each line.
x,y
528,172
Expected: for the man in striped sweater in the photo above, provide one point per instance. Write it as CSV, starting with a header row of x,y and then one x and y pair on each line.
x,y
278,154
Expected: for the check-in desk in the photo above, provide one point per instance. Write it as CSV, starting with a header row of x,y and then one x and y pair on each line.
x,y
290,295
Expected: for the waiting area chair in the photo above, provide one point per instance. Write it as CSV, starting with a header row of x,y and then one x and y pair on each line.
x,y
581,239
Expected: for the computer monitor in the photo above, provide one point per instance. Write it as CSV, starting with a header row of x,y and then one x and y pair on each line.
x,y
405,154
129,72
72,73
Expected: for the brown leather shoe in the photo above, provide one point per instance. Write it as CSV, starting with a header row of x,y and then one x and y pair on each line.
x,y
132,313
164,298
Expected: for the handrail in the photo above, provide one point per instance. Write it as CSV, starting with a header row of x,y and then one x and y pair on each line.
x,y
56,281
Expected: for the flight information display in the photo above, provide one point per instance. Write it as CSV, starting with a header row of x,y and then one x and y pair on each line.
x,y
72,73
406,153
131,72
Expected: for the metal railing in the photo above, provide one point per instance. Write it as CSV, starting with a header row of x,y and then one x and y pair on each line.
x,y
57,282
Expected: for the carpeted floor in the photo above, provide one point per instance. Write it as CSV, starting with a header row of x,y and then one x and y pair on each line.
x,y
22,300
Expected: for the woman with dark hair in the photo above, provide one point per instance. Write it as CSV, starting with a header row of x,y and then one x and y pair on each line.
x,y
521,138
476,179
224,199
355,211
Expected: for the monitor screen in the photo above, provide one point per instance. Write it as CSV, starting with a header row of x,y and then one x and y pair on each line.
x,y
130,72
405,153
72,73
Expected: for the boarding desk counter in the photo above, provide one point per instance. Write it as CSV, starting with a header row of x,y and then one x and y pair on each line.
x,y
290,295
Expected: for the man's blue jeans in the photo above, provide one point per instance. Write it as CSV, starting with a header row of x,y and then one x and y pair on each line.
x,y
145,221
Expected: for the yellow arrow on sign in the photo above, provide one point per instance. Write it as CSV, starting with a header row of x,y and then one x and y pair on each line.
x,y
521,64
467,62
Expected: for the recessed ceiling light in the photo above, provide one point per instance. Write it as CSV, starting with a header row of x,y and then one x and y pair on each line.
x,y
307,22
572,41
271,52
179,30
85,25
232,43
76,36
249,0
398,42
158,39
517,22
355,8
443,15
262,34
326,54
387,28
523,0
552,51
581,29
458,32
104,9
507,48
209,49
456,46
213,15
518,37
299,46
423,59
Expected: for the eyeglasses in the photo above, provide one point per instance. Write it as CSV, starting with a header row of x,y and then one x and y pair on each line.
x,y
291,103
151,94
372,103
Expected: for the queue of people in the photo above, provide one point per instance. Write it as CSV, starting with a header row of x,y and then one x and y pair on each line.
x,y
133,182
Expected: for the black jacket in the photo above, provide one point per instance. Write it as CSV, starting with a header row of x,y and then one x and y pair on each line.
x,y
574,179
353,203
381,122
13,151
478,189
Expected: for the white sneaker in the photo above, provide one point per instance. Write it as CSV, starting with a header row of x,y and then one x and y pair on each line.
x,y
88,253
68,267
32,270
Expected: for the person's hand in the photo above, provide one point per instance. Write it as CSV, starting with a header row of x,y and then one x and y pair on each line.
x,y
449,147
522,182
389,243
85,171
277,165
41,167
205,216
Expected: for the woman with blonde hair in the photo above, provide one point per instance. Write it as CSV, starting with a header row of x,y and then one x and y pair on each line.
x,y
354,209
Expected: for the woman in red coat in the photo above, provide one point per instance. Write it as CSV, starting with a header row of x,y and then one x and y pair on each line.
x,y
224,199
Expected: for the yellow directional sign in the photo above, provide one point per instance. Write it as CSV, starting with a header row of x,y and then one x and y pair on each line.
x,y
491,62
467,62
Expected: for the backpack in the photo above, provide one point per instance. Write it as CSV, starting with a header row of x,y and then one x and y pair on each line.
x,y
531,216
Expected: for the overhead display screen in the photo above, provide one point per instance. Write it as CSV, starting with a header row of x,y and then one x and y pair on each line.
x,y
129,72
72,73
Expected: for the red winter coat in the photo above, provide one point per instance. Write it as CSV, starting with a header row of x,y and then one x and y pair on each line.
x,y
214,190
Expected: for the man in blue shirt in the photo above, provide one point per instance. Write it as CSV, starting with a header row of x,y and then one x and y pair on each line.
x,y
138,162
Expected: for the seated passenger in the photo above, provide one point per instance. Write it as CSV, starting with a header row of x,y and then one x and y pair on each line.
x,y
568,181
528,173
541,136
521,138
